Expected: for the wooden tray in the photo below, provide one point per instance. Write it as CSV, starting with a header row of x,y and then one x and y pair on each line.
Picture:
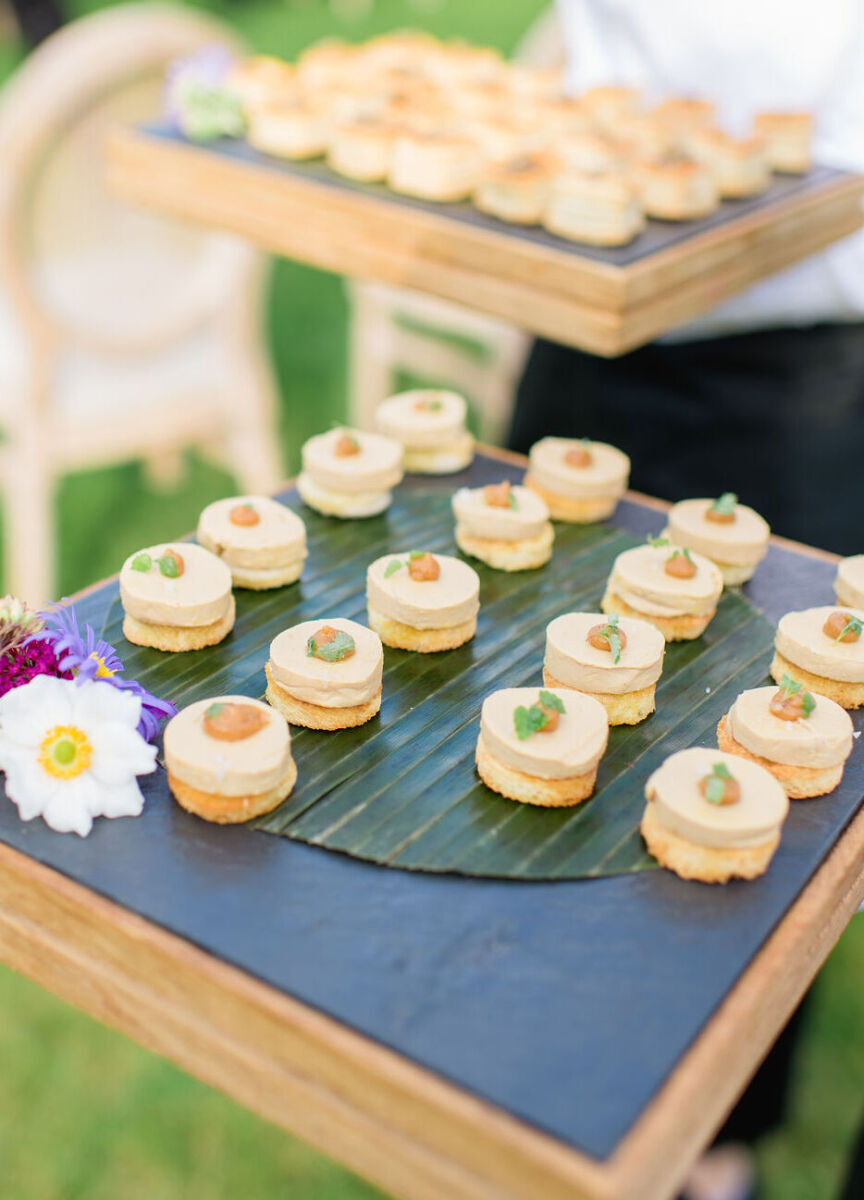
x,y
443,1036
605,301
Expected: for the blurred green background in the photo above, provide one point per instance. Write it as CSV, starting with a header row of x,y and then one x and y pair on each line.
x,y
83,1112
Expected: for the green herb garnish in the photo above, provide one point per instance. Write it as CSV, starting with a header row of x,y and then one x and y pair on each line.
x,y
142,562
791,687
612,635
715,787
168,566
853,625
724,505
334,651
512,501
531,720
658,542
214,710
393,566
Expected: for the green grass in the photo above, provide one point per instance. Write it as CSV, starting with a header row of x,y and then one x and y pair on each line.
x,y
85,1113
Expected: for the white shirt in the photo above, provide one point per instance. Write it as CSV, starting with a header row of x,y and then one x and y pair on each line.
x,y
746,56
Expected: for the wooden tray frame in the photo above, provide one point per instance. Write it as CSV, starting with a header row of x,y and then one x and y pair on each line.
x,y
558,294
403,1127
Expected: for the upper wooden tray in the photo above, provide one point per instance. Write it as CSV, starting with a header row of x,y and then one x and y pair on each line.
x,y
605,301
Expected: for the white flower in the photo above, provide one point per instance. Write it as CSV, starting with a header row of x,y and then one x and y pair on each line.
x,y
71,752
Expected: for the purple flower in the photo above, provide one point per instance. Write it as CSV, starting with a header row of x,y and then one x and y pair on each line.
x,y
197,99
85,657
23,661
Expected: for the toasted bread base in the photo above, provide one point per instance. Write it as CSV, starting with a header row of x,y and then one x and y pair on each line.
x,y
174,638
524,555
231,810
426,641
576,512
674,629
317,716
709,864
847,695
625,708
347,505
528,789
799,783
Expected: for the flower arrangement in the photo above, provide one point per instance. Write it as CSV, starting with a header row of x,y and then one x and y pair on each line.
x,y
74,733
197,98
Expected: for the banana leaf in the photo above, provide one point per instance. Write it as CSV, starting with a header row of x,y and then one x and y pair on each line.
x,y
402,790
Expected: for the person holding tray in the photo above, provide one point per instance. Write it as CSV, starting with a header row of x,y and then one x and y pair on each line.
x,y
764,394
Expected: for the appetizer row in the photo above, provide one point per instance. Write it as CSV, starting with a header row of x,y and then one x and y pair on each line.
x,y
448,122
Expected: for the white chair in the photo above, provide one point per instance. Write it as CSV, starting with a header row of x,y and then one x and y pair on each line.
x,y
122,335
394,330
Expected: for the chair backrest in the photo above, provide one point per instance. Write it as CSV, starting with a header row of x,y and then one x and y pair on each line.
x,y
77,264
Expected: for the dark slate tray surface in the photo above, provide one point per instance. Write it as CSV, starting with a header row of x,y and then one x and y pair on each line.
x,y
657,236
567,1004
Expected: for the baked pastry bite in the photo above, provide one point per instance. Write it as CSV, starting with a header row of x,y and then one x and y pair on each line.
x,y
675,187
261,79
683,115
348,474
326,63
675,590
739,165
591,152
600,210
647,136
607,104
288,127
229,759
802,739
541,746
430,425
517,189
713,816
422,601
559,117
823,649
732,535
326,674
503,138
176,598
262,542
580,480
361,148
536,83
506,527
433,165
849,582
787,137
617,661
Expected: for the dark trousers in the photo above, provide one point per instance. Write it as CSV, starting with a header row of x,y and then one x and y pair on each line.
x,y
776,416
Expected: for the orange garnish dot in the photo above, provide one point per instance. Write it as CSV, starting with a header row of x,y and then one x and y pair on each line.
x,y
600,641
787,707
325,635
578,456
731,789
243,514
233,722
178,560
423,568
497,494
719,518
679,566
835,625
346,445
552,716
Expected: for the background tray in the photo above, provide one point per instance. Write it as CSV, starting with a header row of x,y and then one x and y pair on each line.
x,y
606,301
402,790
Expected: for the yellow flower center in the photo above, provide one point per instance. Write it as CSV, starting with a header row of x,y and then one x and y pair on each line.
x,y
102,672
65,752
